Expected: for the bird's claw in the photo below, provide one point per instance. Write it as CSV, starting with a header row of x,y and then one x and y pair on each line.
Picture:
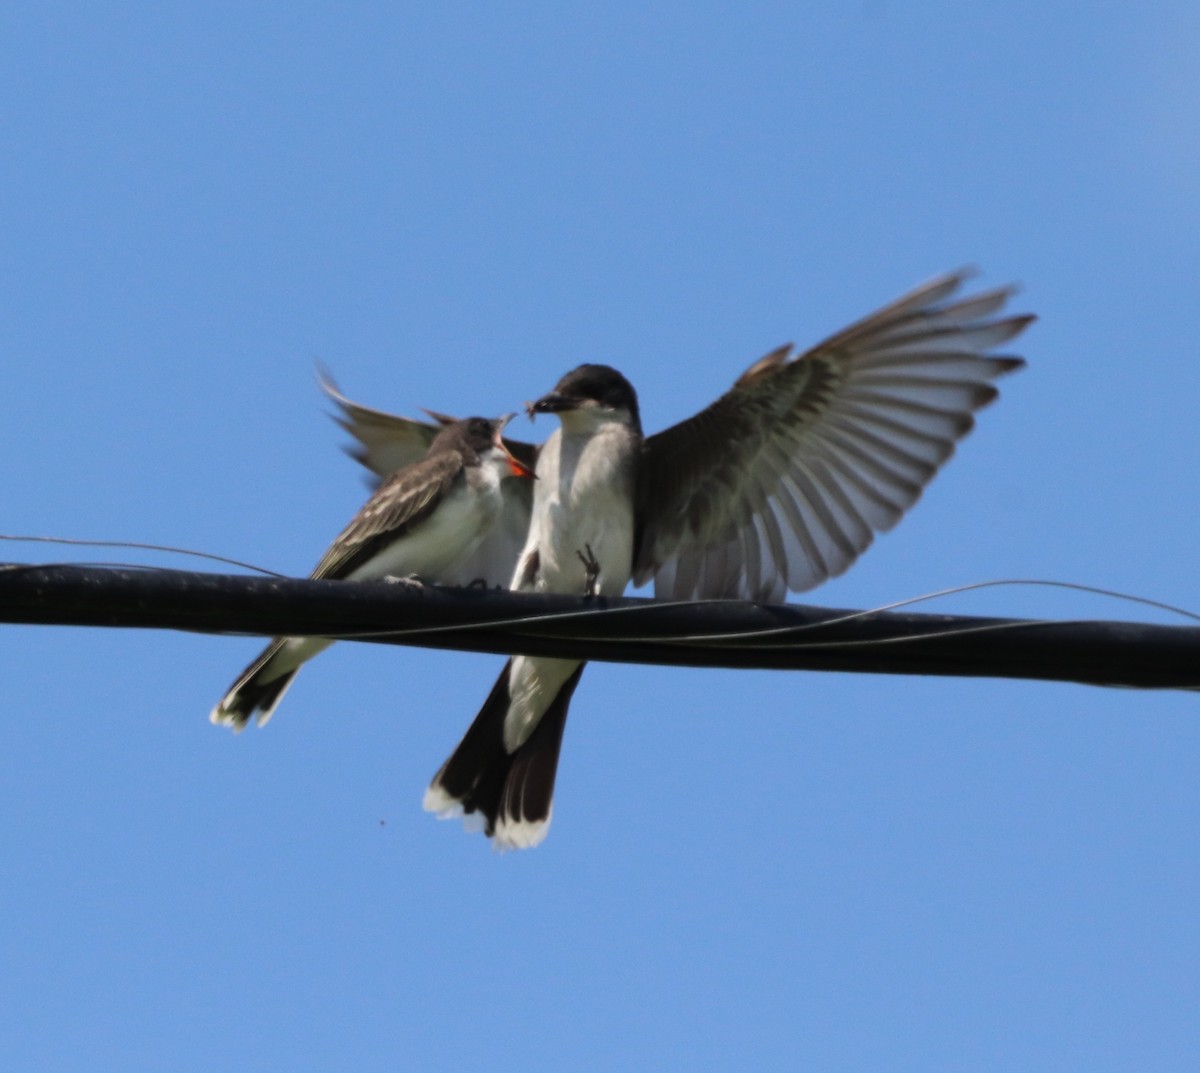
x,y
591,570
409,581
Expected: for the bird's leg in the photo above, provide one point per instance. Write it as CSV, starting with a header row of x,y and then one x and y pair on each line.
x,y
409,581
591,568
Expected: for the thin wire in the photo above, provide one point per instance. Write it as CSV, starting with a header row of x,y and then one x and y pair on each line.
x,y
1092,590
138,546
910,601
776,631
526,620
899,639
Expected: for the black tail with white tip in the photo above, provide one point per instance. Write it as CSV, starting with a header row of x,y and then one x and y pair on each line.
x,y
512,793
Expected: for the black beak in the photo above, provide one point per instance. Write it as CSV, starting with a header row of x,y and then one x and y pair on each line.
x,y
553,403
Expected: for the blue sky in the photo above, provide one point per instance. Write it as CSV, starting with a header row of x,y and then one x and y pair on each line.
x,y
450,207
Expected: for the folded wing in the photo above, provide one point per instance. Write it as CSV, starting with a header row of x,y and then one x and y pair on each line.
x,y
784,481
402,501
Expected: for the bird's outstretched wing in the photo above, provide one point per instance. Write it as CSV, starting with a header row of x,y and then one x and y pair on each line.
x,y
784,480
387,442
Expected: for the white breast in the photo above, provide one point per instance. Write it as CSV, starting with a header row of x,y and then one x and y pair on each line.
x,y
584,499
433,549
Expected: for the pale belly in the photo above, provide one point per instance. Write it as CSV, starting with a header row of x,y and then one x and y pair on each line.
x,y
585,511
604,533
431,549
582,508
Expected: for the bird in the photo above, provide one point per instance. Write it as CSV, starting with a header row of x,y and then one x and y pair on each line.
x,y
386,442
424,523
778,485
580,540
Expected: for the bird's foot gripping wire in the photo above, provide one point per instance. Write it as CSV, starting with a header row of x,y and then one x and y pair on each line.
x,y
409,581
591,568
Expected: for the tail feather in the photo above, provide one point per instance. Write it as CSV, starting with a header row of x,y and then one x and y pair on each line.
x,y
259,688
527,801
512,792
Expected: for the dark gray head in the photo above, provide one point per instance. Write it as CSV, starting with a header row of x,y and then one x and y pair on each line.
x,y
590,387
470,436
477,439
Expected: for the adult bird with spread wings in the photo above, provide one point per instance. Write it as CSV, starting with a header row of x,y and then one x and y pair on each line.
x,y
778,485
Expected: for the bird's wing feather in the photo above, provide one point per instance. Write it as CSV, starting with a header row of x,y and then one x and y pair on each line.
x,y
403,500
784,480
386,442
